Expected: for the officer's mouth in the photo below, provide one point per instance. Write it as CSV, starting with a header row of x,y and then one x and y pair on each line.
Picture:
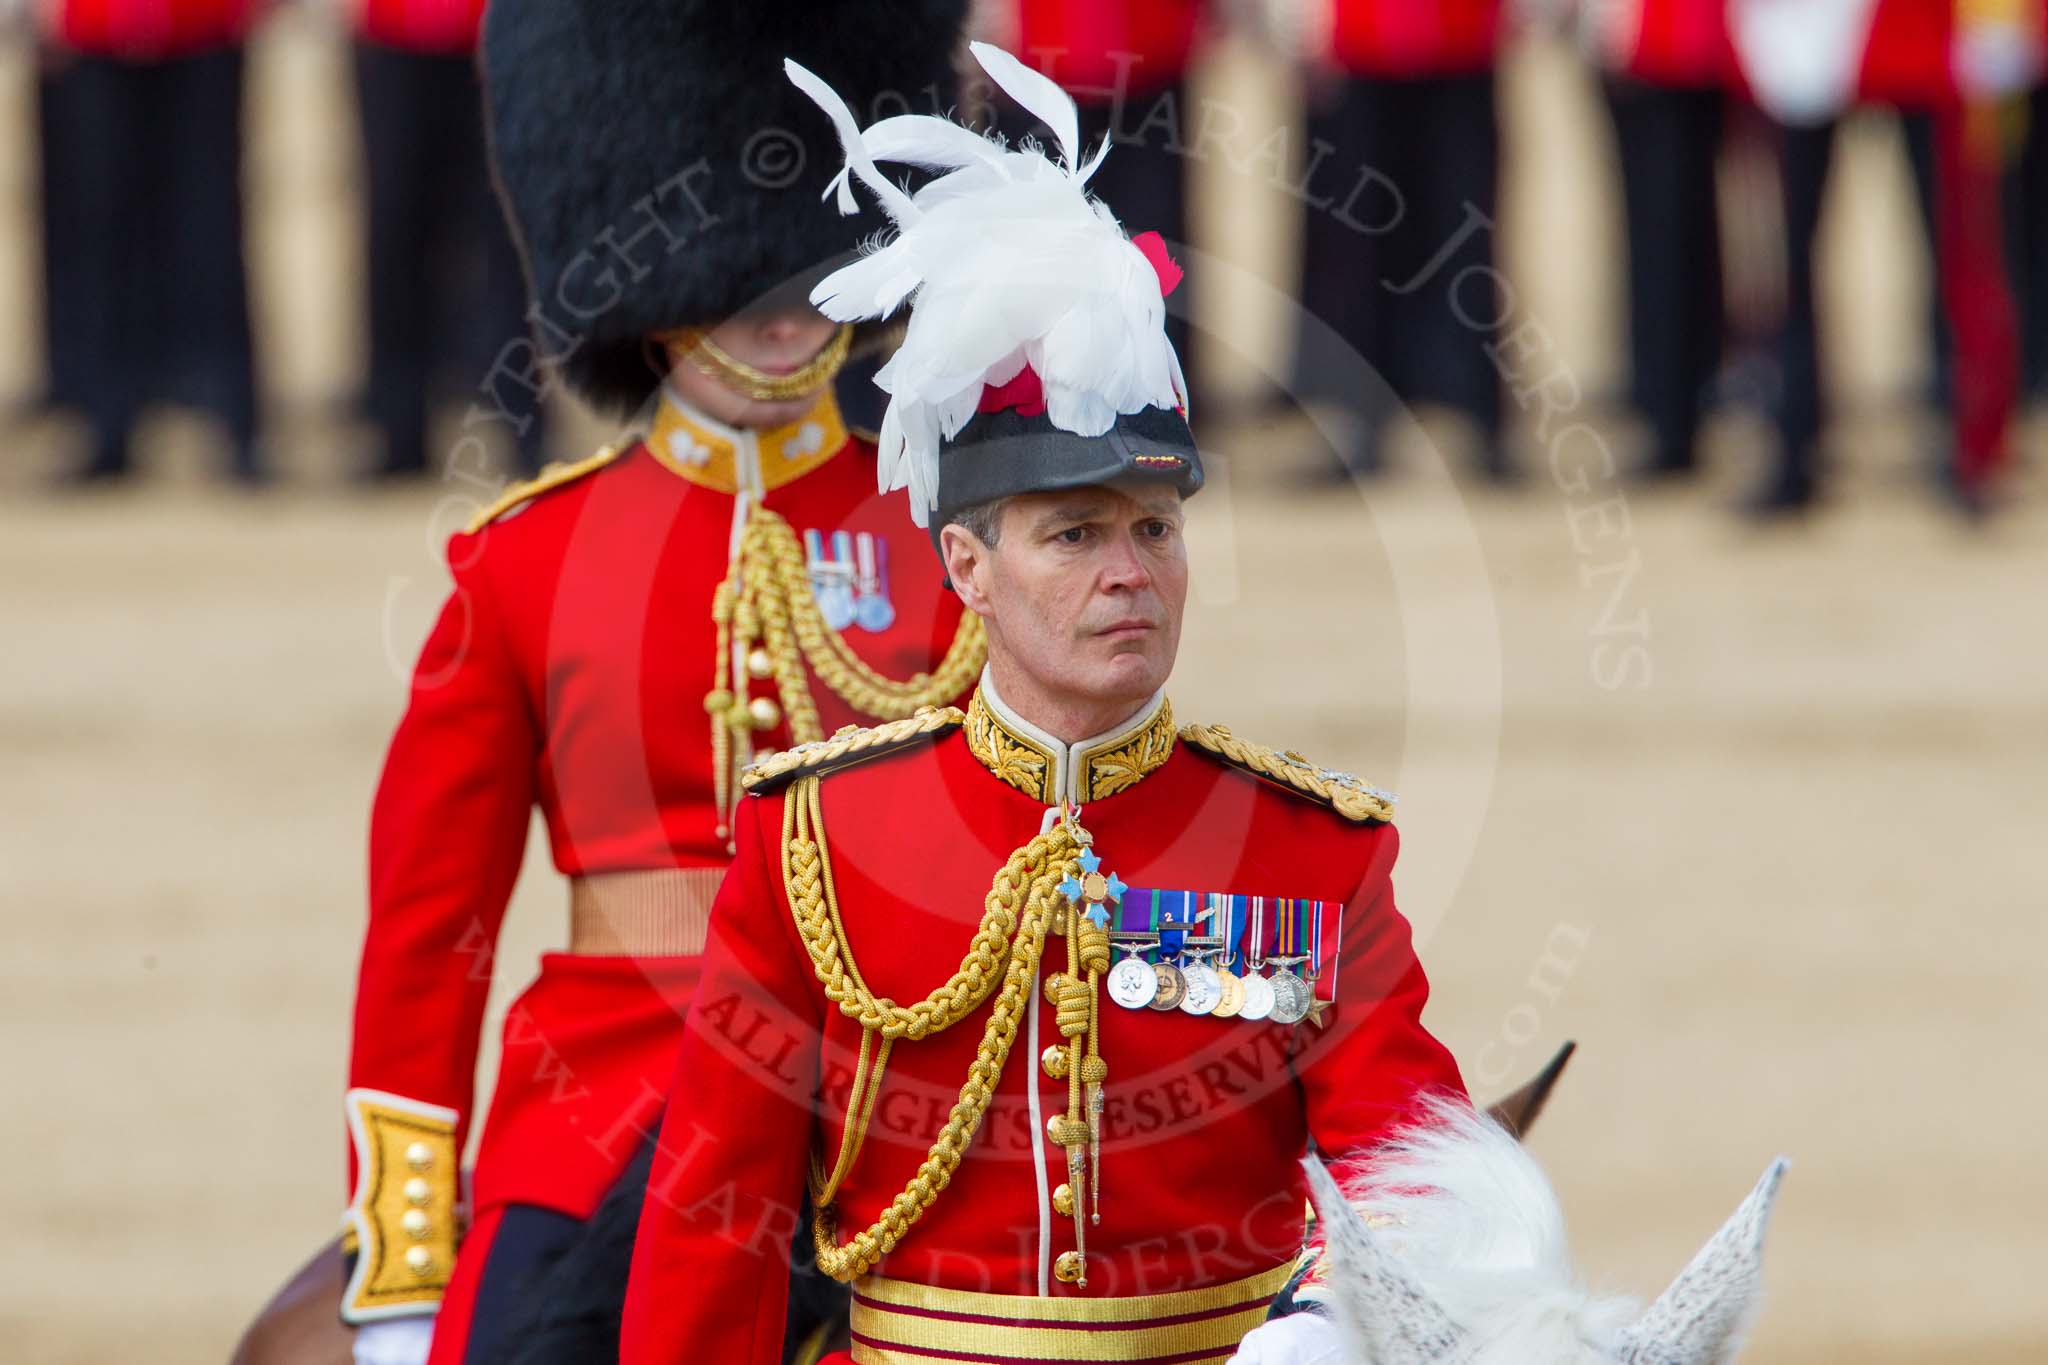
x,y
1126,630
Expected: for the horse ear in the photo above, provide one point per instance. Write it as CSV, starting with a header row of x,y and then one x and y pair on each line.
x,y
1388,1319
1516,1111
1700,1318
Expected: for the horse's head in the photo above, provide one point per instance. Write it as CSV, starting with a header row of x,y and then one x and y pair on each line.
x,y
1450,1250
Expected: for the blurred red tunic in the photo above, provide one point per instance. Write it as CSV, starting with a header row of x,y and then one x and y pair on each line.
x,y
1102,48
150,30
1412,38
446,26
1684,43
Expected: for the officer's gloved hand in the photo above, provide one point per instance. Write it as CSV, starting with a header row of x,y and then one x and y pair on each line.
x,y
394,1341
1297,1339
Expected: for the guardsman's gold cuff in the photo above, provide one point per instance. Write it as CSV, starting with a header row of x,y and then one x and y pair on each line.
x,y
403,1214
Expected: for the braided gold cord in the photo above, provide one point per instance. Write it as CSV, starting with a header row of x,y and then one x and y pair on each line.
x,y
1021,901
1348,798
832,659
766,604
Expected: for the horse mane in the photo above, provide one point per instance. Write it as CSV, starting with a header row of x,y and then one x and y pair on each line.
x,y
1472,1221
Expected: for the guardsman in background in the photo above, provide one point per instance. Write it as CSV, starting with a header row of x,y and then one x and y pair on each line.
x,y
1182,962
445,294
1666,66
1406,88
1940,63
626,631
142,182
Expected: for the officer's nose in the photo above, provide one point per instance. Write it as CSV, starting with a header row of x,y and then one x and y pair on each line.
x,y
1124,569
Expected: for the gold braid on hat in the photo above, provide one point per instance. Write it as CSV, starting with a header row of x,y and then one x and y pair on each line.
x,y
695,345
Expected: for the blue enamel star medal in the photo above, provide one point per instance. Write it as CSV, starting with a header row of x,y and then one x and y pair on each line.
x,y
1091,892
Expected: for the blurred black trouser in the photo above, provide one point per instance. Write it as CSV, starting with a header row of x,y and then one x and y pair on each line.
x,y
67,297
1805,156
445,289
142,177
1668,139
2027,244
1436,139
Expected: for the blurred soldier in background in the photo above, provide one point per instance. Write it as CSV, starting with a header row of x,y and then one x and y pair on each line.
x,y
1937,62
444,285
1405,88
1665,67
142,166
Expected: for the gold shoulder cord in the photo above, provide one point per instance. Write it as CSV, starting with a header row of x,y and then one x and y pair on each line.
x,y
765,610
1023,905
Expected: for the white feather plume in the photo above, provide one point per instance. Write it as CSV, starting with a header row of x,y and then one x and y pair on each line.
x,y
1007,262
1471,1219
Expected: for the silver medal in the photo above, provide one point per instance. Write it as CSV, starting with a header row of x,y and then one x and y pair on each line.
x,y
1258,997
1205,989
1290,999
1132,983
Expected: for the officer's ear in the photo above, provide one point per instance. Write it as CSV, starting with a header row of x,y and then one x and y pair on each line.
x,y
966,559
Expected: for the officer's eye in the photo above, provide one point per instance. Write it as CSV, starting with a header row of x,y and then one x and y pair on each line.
x,y
1158,529
1073,535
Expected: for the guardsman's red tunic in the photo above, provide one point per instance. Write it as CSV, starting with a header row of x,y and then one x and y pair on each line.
x,y
569,670
1204,1118
151,30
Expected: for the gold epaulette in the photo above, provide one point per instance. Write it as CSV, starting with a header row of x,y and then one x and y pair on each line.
x,y
1347,795
552,476
849,745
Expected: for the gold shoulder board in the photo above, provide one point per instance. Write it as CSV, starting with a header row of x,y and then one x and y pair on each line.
x,y
552,476
850,745
1347,795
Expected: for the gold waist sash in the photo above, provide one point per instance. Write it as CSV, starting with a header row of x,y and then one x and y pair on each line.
x,y
897,1323
664,912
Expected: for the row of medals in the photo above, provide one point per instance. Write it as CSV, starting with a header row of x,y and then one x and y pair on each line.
x,y
1199,988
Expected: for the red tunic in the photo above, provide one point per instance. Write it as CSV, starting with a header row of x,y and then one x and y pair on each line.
x,y
1100,48
1908,57
1414,38
569,669
1205,1118
1683,43
445,26
151,30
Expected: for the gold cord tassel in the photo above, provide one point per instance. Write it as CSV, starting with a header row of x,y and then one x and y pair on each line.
x,y
1078,1016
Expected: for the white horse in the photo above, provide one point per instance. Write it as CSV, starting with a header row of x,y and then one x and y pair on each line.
x,y
1450,1250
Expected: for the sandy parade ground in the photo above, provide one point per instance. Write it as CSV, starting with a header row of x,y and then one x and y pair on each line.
x,y
1754,815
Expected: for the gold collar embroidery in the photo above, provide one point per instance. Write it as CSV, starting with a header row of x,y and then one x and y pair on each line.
x,y
727,459
1048,771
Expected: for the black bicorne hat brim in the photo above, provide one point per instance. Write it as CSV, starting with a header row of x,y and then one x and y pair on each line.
x,y
1005,454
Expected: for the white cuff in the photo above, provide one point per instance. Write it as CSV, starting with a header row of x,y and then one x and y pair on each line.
x,y
394,1341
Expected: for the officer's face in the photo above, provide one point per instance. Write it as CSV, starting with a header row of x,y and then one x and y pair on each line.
x,y
1083,593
